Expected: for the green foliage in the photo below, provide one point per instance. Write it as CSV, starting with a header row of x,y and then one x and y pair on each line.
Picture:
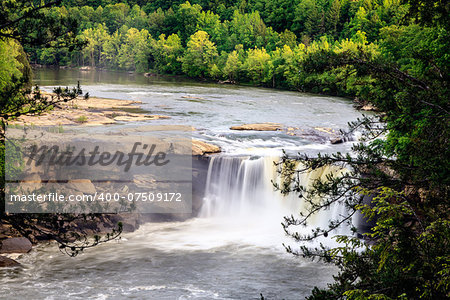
x,y
187,17
115,16
258,65
402,164
408,261
199,56
134,52
232,66
81,119
35,24
96,39
166,52
32,23
10,67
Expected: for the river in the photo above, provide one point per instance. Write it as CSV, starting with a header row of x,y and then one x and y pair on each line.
x,y
233,249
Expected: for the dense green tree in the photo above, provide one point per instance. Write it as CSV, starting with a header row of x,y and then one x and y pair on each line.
x,y
258,65
156,22
276,13
86,16
10,67
57,57
310,18
232,66
278,60
114,16
96,39
154,5
137,18
187,18
248,30
166,54
210,23
110,50
333,16
134,52
293,59
199,55
288,38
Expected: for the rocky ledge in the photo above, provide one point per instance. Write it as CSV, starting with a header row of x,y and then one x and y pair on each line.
x,y
268,126
89,112
202,148
316,134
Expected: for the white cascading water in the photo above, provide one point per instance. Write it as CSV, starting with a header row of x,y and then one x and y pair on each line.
x,y
241,188
238,186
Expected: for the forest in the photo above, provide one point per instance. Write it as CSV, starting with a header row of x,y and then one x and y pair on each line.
x,y
259,42
393,54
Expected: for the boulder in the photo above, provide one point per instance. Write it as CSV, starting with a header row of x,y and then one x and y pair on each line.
x,y
8,262
86,68
82,185
130,221
338,140
201,148
258,127
369,107
16,245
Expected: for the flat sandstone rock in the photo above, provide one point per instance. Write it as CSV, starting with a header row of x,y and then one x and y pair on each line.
x,y
258,127
88,112
201,148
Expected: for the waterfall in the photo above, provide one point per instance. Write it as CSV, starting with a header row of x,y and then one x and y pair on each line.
x,y
238,186
241,187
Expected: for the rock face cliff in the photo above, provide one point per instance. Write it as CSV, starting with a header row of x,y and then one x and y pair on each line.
x,y
12,241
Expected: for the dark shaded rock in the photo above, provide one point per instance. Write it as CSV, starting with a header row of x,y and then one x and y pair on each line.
x,y
16,245
316,134
130,221
200,166
8,262
7,231
338,140
150,74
